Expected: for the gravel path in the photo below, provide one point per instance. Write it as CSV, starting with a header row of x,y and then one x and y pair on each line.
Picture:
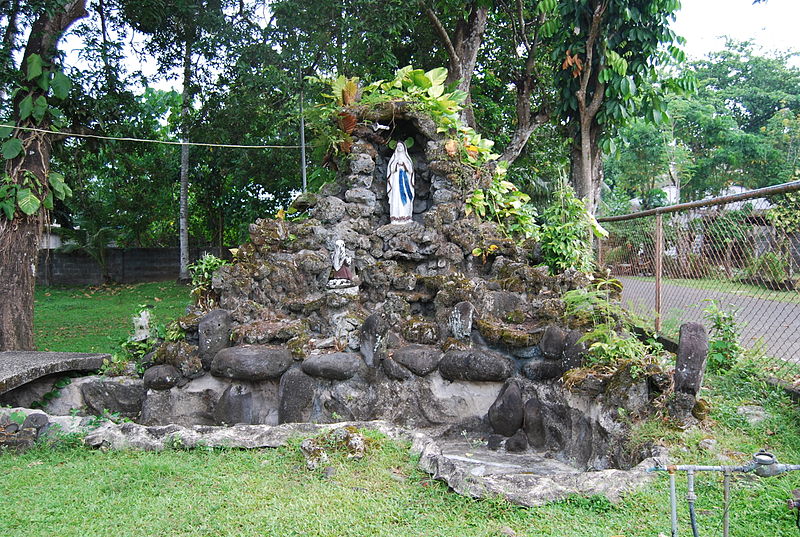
x,y
776,324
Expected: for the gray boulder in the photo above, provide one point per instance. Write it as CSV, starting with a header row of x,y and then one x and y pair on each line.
x,y
690,363
394,370
506,413
214,335
475,364
533,423
420,359
251,362
574,350
235,406
161,377
517,443
373,338
552,344
295,396
191,405
335,366
122,395
542,369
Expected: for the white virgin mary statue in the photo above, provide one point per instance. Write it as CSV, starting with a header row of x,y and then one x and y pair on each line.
x,y
400,186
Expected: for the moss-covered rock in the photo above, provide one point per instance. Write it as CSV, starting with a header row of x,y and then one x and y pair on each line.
x,y
419,330
181,355
498,333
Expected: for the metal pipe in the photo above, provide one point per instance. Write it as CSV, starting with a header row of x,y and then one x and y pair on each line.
x,y
659,263
673,504
721,200
726,499
690,498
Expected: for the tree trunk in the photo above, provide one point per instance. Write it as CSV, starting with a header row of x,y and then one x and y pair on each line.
x,y
586,166
19,241
462,50
19,237
183,275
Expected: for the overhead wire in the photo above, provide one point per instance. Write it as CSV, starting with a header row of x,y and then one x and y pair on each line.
x,y
145,140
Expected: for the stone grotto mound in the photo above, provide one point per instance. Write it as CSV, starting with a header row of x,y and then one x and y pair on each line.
x,y
423,334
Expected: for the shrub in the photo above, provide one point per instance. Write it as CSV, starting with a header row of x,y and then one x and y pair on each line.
x,y
723,348
565,235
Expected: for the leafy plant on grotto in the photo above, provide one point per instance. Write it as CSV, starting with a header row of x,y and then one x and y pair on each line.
x,y
785,212
202,272
612,344
505,204
565,235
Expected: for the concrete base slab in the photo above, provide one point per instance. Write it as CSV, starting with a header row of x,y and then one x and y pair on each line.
x,y
21,367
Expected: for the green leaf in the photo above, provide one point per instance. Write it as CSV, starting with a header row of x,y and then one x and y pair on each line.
x,y
48,201
27,201
44,81
57,185
12,148
437,76
6,131
8,208
34,66
419,79
409,142
436,91
26,107
61,85
39,108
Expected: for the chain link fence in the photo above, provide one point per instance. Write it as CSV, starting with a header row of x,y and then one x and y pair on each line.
x,y
678,263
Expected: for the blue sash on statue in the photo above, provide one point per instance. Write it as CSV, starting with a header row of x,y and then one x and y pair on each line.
x,y
405,187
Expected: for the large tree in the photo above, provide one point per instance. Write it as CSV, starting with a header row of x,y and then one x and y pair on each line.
x,y
28,186
610,51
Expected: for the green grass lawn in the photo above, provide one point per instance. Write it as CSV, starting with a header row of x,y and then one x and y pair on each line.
x,y
95,319
73,491
68,490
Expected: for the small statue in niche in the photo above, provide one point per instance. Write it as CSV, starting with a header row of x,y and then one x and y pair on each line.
x,y
341,263
400,185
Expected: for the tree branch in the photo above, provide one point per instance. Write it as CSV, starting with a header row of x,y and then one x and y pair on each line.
x,y
440,31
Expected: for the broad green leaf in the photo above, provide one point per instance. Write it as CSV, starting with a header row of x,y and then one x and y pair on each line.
x,y
48,201
11,148
437,76
27,201
61,85
458,96
436,91
44,81
57,184
6,131
419,79
34,66
39,108
26,107
8,208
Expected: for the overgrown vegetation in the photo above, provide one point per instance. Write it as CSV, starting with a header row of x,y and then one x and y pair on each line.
x,y
611,339
202,272
724,349
566,232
